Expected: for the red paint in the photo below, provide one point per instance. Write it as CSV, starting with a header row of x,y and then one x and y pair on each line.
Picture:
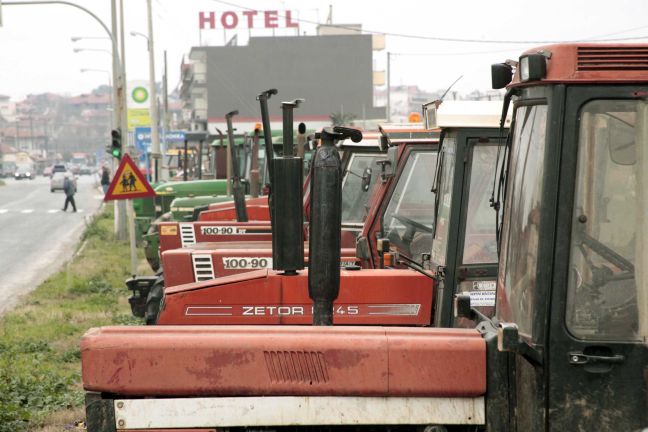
x,y
250,17
210,232
206,19
615,66
289,21
296,361
363,300
270,19
178,267
229,20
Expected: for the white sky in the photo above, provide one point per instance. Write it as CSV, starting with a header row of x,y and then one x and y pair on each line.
x,y
36,53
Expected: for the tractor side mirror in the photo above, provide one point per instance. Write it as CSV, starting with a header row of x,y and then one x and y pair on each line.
x,y
362,248
388,165
366,179
462,308
501,75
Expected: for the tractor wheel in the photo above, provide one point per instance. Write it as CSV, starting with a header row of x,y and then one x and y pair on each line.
x,y
154,301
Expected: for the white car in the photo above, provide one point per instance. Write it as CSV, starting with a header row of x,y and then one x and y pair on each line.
x,y
56,182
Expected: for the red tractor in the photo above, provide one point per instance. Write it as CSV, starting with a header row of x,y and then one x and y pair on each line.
x,y
565,350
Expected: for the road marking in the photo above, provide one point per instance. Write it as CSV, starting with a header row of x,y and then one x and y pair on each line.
x,y
98,197
80,210
52,210
2,211
27,211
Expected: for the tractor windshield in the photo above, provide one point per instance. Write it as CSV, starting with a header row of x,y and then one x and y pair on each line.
x,y
606,283
408,220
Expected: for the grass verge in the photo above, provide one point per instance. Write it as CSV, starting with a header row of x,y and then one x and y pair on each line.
x,y
39,340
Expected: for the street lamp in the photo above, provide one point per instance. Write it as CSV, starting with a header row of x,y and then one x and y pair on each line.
x,y
78,38
78,50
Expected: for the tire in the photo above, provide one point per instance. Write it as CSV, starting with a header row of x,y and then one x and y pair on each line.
x,y
52,190
154,301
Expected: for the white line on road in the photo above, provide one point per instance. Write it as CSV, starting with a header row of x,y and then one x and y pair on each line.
x,y
2,211
53,210
27,211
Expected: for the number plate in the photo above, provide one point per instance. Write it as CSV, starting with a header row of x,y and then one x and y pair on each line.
x,y
249,263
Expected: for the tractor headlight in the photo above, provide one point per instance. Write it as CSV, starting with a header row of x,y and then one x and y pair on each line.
x,y
533,67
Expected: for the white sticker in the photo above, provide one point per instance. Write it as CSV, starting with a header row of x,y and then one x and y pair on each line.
x,y
482,298
222,230
483,285
233,263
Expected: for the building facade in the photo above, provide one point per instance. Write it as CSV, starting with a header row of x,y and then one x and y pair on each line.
x,y
333,73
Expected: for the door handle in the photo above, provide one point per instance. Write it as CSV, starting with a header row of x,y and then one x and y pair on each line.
x,y
578,358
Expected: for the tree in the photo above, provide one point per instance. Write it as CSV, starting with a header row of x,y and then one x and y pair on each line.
x,y
342,119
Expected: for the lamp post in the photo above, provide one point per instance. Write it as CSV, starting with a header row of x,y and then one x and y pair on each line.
x,y
155,138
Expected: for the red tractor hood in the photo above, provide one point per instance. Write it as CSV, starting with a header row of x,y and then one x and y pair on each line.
x,y
272,361
367,297
206,261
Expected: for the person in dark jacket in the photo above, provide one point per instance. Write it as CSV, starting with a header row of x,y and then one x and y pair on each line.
x,y
70,189
105,179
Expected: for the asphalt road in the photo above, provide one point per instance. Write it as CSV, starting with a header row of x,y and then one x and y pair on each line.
x,y
36,236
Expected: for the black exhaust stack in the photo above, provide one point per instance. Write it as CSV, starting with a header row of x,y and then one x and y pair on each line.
x,y
237,185
287,209
255,176
326,223
267,133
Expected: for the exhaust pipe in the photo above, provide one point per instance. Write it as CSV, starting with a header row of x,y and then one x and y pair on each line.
x,y
239,191
267,133
288,211
326,223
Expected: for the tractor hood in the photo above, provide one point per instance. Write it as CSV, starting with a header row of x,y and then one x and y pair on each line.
x,y
367,297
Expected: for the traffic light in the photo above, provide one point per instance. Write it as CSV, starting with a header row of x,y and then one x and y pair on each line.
x,y
116,143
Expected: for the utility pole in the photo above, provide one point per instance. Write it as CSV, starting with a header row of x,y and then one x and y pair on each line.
x,y
388,87
155,137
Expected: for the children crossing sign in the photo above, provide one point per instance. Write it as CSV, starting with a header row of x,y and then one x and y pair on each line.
x,y
128,182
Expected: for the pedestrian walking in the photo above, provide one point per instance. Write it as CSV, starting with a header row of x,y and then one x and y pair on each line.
x,y
70,189
105,179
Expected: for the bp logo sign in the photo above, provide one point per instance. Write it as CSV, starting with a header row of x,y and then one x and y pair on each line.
x,y
140,94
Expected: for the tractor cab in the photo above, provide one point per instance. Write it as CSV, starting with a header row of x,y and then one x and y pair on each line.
x,y
464,247
571,323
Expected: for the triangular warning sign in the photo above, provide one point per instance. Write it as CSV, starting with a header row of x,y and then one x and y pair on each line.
x,y
128,182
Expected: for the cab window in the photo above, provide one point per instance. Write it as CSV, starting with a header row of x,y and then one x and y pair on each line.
x,y
445,186
603,288
518,269
354,195
408,218
480,245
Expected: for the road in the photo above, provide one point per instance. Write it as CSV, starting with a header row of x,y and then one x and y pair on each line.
x,y
36,236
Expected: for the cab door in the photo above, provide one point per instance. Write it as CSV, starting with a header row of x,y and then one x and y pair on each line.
x,y
464,248
597,355
476,247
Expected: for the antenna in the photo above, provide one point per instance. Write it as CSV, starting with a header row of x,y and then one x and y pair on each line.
x,y
451,85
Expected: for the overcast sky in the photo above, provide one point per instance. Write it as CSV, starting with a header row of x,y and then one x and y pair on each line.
x,y
37,53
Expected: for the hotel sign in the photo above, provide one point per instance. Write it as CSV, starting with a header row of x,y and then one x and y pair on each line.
x,y
246,19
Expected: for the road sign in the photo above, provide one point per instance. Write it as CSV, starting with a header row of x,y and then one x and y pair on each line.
x,y
128,182
143,138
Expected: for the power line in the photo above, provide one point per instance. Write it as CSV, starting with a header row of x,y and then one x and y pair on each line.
x,y
445,39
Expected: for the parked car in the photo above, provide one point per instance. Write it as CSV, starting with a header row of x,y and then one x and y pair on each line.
x,y
56,182
85,170
47,172
24,172
58,168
